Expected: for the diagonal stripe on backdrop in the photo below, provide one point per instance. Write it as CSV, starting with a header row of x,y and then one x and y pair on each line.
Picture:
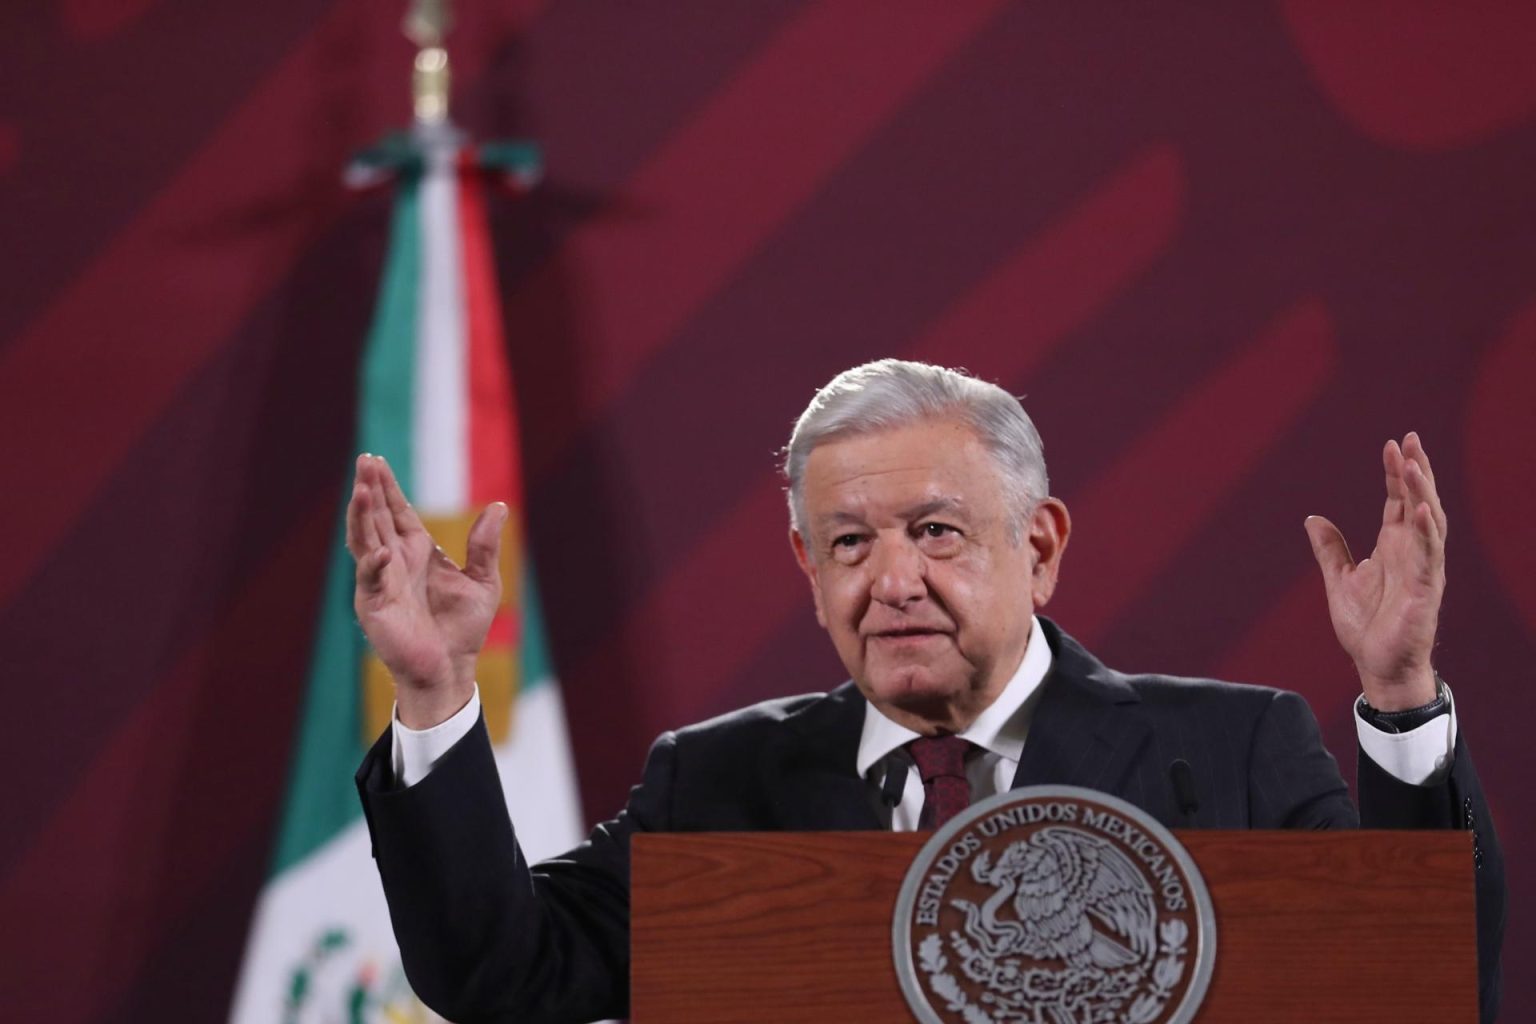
x,y
1320,672
218,282
1233,418
1101,246
104,920
724,183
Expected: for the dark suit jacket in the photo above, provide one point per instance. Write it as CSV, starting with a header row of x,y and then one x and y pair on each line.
x,y
488,937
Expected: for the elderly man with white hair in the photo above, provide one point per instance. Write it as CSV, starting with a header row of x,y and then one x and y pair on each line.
x,y
921,516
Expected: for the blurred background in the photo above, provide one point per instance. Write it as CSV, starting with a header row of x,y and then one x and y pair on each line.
x,y
1224,250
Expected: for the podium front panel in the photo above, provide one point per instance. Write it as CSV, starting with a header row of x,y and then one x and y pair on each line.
x,y
747,927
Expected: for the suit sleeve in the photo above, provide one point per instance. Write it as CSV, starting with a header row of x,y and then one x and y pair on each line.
x,y
484,935
1293,782
1456,802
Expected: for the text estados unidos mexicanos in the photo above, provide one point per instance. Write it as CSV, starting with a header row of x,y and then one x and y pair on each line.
x,y
1160,865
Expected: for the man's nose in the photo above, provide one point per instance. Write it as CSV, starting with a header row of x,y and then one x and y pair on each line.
x,y
899,573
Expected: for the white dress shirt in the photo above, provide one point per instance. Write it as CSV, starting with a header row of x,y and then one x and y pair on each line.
x,y
998,732
1418,757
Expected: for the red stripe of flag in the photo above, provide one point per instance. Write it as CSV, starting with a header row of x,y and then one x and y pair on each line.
x,y
494,470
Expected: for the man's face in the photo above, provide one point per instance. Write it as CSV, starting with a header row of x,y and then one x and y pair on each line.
x,y
923,572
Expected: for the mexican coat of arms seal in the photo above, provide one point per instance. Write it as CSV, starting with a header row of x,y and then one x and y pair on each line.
x,y
1054,905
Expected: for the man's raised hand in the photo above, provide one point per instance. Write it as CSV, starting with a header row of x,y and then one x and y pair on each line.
x,y
1385,609
425,617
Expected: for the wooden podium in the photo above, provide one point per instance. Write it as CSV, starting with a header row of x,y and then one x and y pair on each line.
x,y
1311,926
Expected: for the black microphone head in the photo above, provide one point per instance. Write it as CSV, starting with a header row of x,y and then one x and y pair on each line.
x,y
895,783
1183,778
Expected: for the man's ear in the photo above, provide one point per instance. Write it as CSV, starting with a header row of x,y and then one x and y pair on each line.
x,y
808,566
1049,526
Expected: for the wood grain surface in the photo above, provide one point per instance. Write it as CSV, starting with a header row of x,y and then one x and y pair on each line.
x,y
1340,926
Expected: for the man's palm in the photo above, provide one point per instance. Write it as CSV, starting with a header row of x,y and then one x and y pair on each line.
x,y
1386,608
425,617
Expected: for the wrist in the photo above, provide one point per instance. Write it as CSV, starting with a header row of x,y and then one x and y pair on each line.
x,y
1405,719
420,709
428,701
1402,693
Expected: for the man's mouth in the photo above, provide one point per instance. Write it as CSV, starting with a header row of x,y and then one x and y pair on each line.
x,y
910,632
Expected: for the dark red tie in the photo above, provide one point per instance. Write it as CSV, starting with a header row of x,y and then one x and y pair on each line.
x,y
946,791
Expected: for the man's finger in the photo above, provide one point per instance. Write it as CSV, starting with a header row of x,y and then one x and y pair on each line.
x,y
483,557
366,530
1329,548
379,515
1397,490
1413,448
406,519
370,569
357,507
355,512
1431,542
1421,493
1421,480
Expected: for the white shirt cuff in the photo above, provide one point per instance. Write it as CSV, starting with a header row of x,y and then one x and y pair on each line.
x,y
414,752
1419,757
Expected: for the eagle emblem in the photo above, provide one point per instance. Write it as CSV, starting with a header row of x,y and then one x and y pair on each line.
x,y
1054,905
1063,895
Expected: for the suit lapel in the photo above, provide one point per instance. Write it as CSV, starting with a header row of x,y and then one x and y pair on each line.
x,y
1087,731
810,768
1088,727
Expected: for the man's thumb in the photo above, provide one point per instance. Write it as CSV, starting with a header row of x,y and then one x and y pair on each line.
x,y
483,554
1329,548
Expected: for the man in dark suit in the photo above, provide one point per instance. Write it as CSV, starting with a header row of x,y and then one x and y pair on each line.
x,y
922,519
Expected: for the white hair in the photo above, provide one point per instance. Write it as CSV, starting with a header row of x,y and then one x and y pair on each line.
x,y
891,393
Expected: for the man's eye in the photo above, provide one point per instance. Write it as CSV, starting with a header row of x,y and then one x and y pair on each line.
x,y
937,529
848,548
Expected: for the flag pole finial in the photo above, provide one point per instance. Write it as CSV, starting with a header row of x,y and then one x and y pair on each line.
x,y
426,24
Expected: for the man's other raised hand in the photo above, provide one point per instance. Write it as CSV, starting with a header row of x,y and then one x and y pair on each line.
x,y
425,617
1385,608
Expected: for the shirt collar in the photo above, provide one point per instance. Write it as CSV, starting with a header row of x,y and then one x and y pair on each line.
x,y
999,729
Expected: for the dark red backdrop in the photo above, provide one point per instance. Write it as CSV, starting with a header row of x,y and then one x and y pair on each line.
x,y
1226,250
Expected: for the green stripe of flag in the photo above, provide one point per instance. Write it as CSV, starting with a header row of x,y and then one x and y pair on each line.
x,y
534,665
321,800
386,399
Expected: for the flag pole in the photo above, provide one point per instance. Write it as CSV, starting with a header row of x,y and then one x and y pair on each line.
x,y
427,23
435,396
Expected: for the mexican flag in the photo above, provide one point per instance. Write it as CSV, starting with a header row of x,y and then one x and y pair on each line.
x,y
435,398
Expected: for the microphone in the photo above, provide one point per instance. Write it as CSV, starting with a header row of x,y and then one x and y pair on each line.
x,y
895,782
1183,778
